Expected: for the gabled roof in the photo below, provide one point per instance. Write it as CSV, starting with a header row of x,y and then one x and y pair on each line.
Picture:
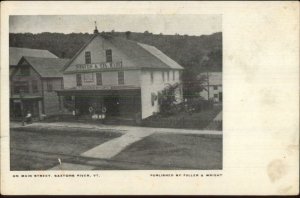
x,y
16,53
142,55
46,67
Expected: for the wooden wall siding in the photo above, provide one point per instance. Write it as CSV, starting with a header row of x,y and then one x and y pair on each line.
x,y
51,102
33,76
131,77
98,49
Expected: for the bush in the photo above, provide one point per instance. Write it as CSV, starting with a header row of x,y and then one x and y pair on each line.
x,y
198,104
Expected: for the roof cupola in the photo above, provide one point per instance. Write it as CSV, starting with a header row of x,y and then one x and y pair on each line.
x,y
96,30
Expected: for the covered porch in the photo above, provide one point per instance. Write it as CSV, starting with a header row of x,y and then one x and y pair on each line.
x,y
108,105
21,105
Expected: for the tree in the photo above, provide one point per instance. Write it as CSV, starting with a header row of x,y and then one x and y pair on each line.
x,y
167,98
193,84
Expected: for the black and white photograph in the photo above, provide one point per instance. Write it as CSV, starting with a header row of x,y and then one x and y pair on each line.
x,y
115,92
149,98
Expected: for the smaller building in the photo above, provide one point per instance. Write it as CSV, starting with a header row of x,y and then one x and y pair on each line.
x,y
16,53
213,86
33,85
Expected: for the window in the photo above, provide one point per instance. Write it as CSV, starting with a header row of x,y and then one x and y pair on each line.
x,y
21,85
99,78
49,86
121,78
173,75
215,87
78,80
88,58
108,55
163,76
168,74
151,76
24,71
34,86
216,95
88,77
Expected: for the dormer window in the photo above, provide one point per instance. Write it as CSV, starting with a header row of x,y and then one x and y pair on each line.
x,y
88,58
108,55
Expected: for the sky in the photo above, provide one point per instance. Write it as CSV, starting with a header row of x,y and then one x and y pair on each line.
x,y
165,24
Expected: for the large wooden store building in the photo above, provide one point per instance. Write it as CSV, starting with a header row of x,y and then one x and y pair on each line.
x,y
119,75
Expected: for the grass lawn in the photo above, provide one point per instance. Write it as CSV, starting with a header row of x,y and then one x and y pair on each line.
x,y
24,144
176,151
195,120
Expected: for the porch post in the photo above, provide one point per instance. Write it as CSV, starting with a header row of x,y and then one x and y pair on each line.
x,y
59,103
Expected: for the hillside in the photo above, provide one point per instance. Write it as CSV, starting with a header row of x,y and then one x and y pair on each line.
x,y
195,53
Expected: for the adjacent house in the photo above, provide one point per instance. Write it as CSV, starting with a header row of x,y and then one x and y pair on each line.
x,y
16,53
118,76
213,86
33,84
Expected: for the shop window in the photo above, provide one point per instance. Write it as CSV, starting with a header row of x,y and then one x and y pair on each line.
x,y
215,87
163,76
151,76
49,86
108,55
99,78
88,58
21,86
34,85
24,71
173,75
78,80
121,77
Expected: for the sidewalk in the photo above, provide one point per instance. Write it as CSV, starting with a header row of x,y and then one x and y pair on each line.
x,y
111,148
122,128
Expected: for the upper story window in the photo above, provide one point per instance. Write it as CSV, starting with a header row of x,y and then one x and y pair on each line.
x,y
151,76
49,86
99,78
168,74
215,87
173,75
108,55
21,86
34,85
88,58
163,76
121,77
78,80
24,71
88,77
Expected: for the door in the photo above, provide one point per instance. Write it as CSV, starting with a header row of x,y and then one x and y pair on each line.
x,y
220,97
112,104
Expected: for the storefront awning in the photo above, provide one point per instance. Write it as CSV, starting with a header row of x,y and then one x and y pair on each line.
x,y
25,97
100,91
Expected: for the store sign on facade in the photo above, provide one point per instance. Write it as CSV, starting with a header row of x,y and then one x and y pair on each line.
x,y
103,65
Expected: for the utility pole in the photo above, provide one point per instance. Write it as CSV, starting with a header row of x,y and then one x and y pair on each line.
x,y
207,76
